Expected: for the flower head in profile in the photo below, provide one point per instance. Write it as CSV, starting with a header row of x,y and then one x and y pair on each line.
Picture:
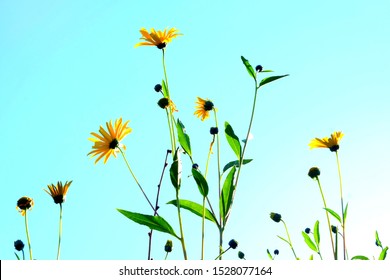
x,y
166,103
58,192
202,108
332,143
159,38
107,143
24,203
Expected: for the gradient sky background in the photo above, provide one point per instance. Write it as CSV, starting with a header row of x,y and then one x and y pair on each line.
x,y
67,67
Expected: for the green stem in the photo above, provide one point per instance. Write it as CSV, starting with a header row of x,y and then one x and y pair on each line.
x,y
135,179
203,221
327,217
223,252
28,235
59,233
170,130
208,156
183,245
342,206
289,240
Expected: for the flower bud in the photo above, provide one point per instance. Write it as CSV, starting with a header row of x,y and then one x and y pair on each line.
x,y
195,166
241,255
19,245
168,246
307,230
276,252
259,68
334,229
214,130
158,88
314,172
275,217
233,244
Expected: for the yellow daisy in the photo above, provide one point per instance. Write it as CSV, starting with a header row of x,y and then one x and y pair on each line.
x,y
332,143
202,108
157,38
24,203
58,192
108,142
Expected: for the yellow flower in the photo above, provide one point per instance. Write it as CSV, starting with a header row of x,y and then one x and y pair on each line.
x,y
332,143
108,142
58,192
203,107
24,203
157,38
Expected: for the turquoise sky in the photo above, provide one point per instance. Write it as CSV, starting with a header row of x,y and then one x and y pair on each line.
x,y
67,67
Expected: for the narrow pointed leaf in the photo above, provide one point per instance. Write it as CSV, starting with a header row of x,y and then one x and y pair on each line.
x,y
233,140
362,258
311,257
377,240
249,67
152,222
269,255
174,174
334,214
316,233
235,163
195,208
309,242
165,89
345,212
184,139
383,254
201,182
227,195
284,240
270,79
17,256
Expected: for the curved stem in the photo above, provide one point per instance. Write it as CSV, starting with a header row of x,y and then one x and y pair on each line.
x,y
342,205
27,234
135,179
59,233
183,244
289,240
327,217
208,156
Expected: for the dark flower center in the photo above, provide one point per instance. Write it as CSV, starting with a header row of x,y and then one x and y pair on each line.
x,y
59,198
161,46
114,143
334,148
163,103
208,105
24,203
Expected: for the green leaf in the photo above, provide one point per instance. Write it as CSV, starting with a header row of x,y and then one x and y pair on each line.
x,y
269,255
165,89
184,139
17,256
311,257
227,195
233,140
316,233
309,242
249,67
270,79
284,240
334,214
345,212
195,208
378,242
362,258
175,170
153,222
383,254
201,182
235,163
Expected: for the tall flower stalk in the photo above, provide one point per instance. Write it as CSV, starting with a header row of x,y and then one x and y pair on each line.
x,y
26,203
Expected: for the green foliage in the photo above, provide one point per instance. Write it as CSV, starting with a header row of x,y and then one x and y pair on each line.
x,y
165,89
316,233
309,242
269,255
184,139
383,254
201,182
362,258
175,171
233,141
249,67
334,214
227,196
270,79
195,208
235,163
153,222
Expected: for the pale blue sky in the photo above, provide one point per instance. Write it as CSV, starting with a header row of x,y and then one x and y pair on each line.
x,y
67,67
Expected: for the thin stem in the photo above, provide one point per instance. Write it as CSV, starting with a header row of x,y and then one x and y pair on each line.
x,y
156,205
289,240
203,228
23,254
342,206
59,233
223,252
208,156
28,235
166,256
183,245
135,179
327,217
170,130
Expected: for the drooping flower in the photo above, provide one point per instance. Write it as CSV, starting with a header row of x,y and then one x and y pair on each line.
x,y
203,106
332,143
108,142
165,103
24,203
159,38
58,192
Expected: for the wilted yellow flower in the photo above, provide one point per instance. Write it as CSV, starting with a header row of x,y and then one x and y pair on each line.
x,y
202,108
332,143
108,142
157,38
58,192
24,203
